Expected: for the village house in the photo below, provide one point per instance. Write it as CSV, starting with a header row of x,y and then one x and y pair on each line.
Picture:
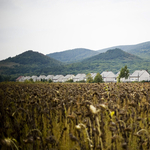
x,y
79,77
140,75
20,79
41,77
49,77
34,78
68,77
108,76
26,78
58,78
93,75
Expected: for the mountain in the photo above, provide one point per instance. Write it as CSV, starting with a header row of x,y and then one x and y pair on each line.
x,y
34,63
142,50
74,55
32,58
112,60
114,54
28,63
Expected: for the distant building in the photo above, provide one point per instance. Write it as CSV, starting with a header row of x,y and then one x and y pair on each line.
x,y
108,76
34,78
79,77
140,75
20,79
49,77
58,78
68,77
26,78
93,75
41,77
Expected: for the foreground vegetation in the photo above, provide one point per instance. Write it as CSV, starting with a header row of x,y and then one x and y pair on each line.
x,y
75,116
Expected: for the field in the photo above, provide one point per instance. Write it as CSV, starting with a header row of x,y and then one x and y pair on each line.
x,y
114,116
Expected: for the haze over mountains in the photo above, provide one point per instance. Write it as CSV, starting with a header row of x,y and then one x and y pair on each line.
x,y
78,61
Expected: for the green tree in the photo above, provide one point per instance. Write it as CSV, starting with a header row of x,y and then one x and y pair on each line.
x,y
50,81
31,80
89,78
98,78
124,73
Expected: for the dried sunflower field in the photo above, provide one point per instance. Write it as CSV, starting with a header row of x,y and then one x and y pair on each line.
x,y
114,116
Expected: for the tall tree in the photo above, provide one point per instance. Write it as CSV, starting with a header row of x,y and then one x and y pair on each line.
x,y
98,78
124,73
89,78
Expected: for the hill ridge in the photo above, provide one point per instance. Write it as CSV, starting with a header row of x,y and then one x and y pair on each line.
x,y
32,57
142,49
73,55
114,54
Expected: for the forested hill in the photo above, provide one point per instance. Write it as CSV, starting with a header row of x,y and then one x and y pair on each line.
x,y
33,58
28,63
112,60
114,54
142,50
74,55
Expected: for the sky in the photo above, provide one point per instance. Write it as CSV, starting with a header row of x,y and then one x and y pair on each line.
x,y
49,26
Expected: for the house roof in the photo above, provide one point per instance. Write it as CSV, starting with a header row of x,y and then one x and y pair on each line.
x,y
105,74
60,79
93,75
19,78
34,77
49,76
57,77
68,76
27,78
117,74
42,76
137,73
78,76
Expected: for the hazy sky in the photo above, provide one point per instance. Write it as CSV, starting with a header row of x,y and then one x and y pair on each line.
x,y
49,26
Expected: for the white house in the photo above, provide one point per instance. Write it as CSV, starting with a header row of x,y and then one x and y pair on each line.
x,y
79,77
140,75
108,76
68,77
20,79
49,77
41,77
58,78
34,78
93,75
26,78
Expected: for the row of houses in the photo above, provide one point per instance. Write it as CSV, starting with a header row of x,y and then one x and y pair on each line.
x,y
138,75
108,76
